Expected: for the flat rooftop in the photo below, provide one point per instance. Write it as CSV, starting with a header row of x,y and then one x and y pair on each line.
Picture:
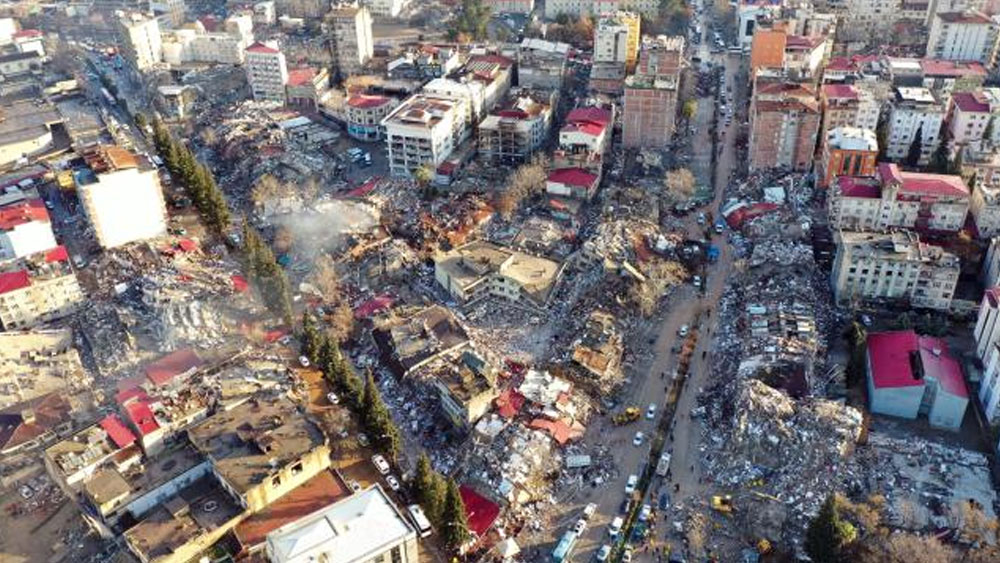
x,y
25,121
422,111
248,442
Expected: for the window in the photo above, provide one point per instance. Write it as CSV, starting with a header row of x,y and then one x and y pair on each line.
x,y
276,481
397,555
297,468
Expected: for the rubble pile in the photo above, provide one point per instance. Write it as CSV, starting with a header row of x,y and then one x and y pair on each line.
x,y
106,336
781,253
793,451
516,463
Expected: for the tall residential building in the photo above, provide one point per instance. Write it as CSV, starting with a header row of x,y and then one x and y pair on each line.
x,y
172,12
650,104
267,73
985,209
386,8
987,330
894,198
37,288
893,266
120,193
963,36
616,39
847,105
423,131
25,227
141,44
784,123
847,151
969,116
541,64
553,8
584,139
518,130
351,30
511,6
193,43
915,109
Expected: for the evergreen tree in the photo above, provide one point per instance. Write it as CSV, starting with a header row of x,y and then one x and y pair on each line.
x,y
326,362
454,522
140,122
955,166
371,403
988,133
310,338
916,147
882,136
939,158
827,534
426,488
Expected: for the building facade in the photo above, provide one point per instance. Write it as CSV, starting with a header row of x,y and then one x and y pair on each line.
x,y
650,95
25,227
267,72
963,36
784,123
364,114
518,130
847,151
424,130
847,105
37,289
141,43
915,110
351,29
616,39
541,64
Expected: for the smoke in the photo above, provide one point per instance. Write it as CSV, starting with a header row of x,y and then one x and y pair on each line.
x,y
325,227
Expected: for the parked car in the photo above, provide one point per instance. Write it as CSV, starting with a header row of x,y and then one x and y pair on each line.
x,y
616,526
604,553
589,510
651,411
580,526
393,482
639,438
631,483
683,331
304,361
333,398
381,464
645,513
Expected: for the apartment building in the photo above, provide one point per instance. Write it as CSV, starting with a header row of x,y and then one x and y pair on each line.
x,y
584,139
519,129
963,36
616,39
524,7
386,8
141,42
987,330
892,267
192,43
784,123
121,196
364,114
307,87
466,388
797,56
969,116
541,64
482,83
264,13
480,269
847,151
424,130
267,72
574,183
942,77
985,209
894,198
424,62
172,12
646,8
847,105
25,227
351,37
37,288
915,110
650,95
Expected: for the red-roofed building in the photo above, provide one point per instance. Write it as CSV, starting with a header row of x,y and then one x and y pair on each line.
x,y
481,512
969,113
119,434
28,425
37,288
173,368
963,36
364,114
911,200
584,139
373,306
25,229
911,375
267,72
846,105
306,87
518,129
987,335
572,182
142,421
784,123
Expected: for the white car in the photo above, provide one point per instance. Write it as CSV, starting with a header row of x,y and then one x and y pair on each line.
x,y
645,513
639,437
354,485
615,527
604,552
304,361
333,398
580,526
589,510
696,281
381,464
630,484
392,481
683,331
651,411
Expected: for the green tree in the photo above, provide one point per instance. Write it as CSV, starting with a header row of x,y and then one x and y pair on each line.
x,y
690,109
472,21
423,176
454,522
882,136
940,162
828,534
955,166
916,147
140,122
311,340
988,132
428,488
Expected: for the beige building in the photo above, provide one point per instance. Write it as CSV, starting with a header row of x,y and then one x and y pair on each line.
x,y
480,269
466,388
364,114
423,131
351,29
37,289
893,267
616,39
518,129
267,72
141,43
985,209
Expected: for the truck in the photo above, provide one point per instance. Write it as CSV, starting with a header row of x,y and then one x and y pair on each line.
x,y
564,547
663,465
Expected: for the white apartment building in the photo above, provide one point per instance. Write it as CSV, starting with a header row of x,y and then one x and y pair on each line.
x,y
121,197
511,6
193,44
351,28
848,105
985,209
362,528
267,73
386,8
174,11
264,13
963,36
990,273
987,330
897,199
916,109
969,117
141,43
893,266
364,114
616,39
37,289
648,8
25,227
424,130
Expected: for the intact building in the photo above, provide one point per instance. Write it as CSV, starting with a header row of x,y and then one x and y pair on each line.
x,y
847,151
481,269
511,6
616,39
911,375
267,73
969,116
120,193
784,123
364,115
37,289
963,36
351,29
985,209
584,139
893,267
171,12
650,104
424,130
896,198
847,105
25,227
915,110
141,44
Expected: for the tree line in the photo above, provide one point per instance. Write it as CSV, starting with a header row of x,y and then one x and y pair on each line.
x,y
442,503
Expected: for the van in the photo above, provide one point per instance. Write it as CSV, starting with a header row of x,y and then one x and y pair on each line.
x,y
420,520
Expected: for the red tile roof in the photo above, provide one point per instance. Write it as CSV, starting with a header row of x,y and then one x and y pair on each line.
x,y
22,212
587,127
840,91
573,177
300,76
802,42
117,431
509,403
373,306
561,431
49,410
970,17
12,281
259,47
591,114
141,417
364,102
970,102
170,366
481,511
889,356
322,490
25,33
920,183
57,254
239,283
859,186
952,69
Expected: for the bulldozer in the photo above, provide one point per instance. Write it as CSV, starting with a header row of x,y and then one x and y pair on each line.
x,y
722,504
630,414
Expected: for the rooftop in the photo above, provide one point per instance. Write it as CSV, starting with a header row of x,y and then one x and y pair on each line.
x,y
967,17
905,359
482,512
26,120
952,69
318,492
422,110
362,101
247,443
573,177
263,48
26,421
915,94
840,92
895,245
178,363
921,183
425,335
852,139
21,212
353,529
38,267
972,102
